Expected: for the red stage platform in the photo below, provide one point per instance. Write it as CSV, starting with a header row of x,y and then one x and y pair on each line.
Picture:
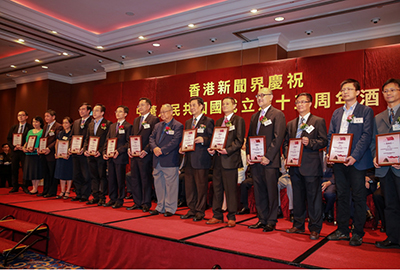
x,y
100,237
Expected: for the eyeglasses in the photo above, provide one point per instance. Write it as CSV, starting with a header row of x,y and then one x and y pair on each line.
x,y
301,102
262,95
347,89
391,90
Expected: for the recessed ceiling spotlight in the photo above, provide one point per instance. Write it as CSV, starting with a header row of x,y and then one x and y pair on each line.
x,y
21,40
149,52
37,61
156,44
100,61
309,32
24,71
141,37
70,74
279,19
213,39
45,67
54,32
129,13
375,20
13,66
123,56
191,25
100,47
253,10
179,46
64,53
94,70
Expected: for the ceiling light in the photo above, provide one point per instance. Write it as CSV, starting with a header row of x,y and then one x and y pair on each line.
x,y
279,19
21,40
309,32
253,10
213,39
94,70
129,13
123,56
179,46
64,53
45,67
375,20
149,52
100,47
24,71
8,75
70,74
37,61
141,37
54,32
191,25
13,66
156,44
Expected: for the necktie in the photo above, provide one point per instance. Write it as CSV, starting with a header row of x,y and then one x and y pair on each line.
x,y
20,129
82,122
194,122
141,122
47,130
162,132
299,130
223,123
259,121
118,125
391,118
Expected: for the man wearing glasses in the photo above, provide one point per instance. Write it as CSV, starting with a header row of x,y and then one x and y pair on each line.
x,y
357,119
306,179
388,121
269,123
164,141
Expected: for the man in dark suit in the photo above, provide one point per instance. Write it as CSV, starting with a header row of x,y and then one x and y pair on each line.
x,y
226,164
117,162
198,162
388,121
164,141
97,165
81,175
140,182
357,119
270,123
18,156
306,178
50,131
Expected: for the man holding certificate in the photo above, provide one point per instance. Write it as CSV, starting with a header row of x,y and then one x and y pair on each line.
x,y
357,119
388,122
117,156
94,145
306,175
140,182
16,140
227,160
269,124
198,162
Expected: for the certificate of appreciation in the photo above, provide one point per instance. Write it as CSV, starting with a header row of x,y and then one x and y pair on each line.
x,y
388,149
188,140
295,153
76,143
62,148
93,145
257,148
136,145
17,139
340,147
30,145
219,137
111,147
42,144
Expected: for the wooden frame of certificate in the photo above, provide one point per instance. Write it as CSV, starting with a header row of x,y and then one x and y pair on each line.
x,y
257,148
340,147
76,143
62,148
135,143
42,144
295,152
388,149
93,145
30,144
219,137
111,146
17,139
188,137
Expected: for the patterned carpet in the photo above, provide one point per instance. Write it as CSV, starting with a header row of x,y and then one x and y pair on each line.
x,y
32,260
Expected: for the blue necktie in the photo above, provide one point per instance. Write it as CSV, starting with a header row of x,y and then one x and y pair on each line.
x,y
299,130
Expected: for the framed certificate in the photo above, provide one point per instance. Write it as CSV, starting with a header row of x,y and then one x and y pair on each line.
x,y
111,147
295,153
218,139
257,147
136,145
30,144
93,145
340,147
42,144
188,140
17,139
76,144
62,148
388,149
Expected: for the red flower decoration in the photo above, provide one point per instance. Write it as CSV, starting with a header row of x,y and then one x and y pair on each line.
x,y
103,125
121,127
167,129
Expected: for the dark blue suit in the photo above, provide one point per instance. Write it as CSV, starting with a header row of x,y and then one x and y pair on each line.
x,y
352,178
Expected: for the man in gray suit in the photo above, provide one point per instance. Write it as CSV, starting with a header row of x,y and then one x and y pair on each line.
x,y
388,121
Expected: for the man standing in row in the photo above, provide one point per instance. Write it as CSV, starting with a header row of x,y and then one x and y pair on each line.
x,y
197,163
306,178
18,156
141,180
270,123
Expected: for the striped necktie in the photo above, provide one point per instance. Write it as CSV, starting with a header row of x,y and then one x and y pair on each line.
x,y
299,130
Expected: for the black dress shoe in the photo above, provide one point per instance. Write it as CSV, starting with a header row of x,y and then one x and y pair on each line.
x,y
258,225
187,216
337,235
181,203
133,207
93,201
168,214
83,200
386,244
198,217
130,196
13,190
74,199
145,208
117,205
154,212
243,211
330,218
355,240
48,196
40,194
101,202
269,228
110,203
25,190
